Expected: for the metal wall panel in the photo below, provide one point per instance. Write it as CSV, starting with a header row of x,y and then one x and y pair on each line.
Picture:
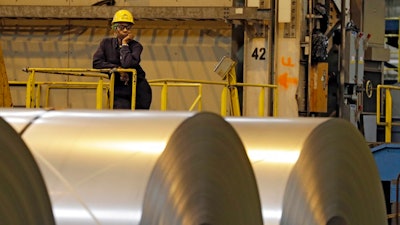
x,y
374,21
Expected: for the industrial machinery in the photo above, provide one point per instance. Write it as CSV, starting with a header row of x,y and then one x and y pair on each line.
x,y
345,76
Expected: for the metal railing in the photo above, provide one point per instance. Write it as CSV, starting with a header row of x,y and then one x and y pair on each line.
x,y
261,97
226,97
35,92
165,83
33,87
388,123
75,85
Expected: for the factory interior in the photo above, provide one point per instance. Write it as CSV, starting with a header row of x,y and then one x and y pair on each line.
x,y
261,112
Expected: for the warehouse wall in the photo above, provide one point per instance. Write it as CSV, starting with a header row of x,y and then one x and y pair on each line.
x,y
172,49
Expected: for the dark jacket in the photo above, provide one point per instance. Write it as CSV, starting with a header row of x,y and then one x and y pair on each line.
x,y
110,54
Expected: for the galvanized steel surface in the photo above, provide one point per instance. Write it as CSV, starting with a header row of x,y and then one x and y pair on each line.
x,y
97,164
24,198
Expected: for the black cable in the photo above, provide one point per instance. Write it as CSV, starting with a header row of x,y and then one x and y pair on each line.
x,y
104,2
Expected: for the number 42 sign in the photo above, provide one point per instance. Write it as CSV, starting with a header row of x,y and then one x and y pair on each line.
x,y
259,53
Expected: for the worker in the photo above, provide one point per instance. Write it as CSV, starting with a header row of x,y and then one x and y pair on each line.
x,y
122,51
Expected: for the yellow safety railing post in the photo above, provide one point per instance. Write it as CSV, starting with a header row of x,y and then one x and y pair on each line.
x,y
200,105
235,101
233,91
226,69
398,51
275,103
134,83
261,100
46,101
37,95
99,94
378,104
107,89
111,90
29,89
388,116
224,95
398,44
388,120
164,96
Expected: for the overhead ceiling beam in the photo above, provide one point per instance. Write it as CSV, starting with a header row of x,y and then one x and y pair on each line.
x,y
140,13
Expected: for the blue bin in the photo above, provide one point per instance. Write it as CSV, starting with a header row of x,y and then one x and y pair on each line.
x,y
387,158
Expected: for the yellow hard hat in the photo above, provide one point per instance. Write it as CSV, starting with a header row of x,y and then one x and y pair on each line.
x,y
123,16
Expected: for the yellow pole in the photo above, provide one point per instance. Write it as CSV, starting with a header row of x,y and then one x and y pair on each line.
x,y
164,96
200,106
275,111
99,94
223,101
46,104
37,96
5,94
235,101
233,91
378,104
398,51
29,89
388,116
261,101
111,91
134,83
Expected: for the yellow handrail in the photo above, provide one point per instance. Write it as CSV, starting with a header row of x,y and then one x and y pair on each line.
x,y
99,73
229,88
388,109
75,85
57,85
165,83
261,97
164,93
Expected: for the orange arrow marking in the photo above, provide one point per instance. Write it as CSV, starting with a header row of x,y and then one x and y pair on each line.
x,y
284,80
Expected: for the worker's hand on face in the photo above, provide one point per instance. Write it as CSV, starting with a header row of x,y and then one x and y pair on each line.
x,y
127,38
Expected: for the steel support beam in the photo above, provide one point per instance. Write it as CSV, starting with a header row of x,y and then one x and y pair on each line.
x,y
141,13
